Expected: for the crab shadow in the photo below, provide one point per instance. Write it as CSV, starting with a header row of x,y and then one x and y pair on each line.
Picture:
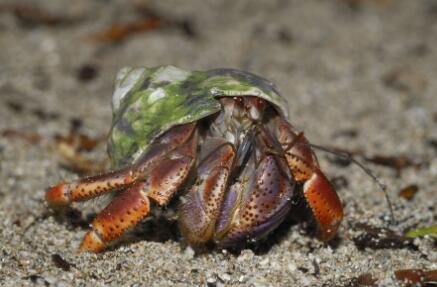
x,y
282,233
161,229
157,229
72,217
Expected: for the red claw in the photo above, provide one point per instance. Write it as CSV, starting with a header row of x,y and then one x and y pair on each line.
x,y
325,204
318,191
203,202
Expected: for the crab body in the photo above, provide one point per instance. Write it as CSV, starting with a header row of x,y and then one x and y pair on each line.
x,y
219,140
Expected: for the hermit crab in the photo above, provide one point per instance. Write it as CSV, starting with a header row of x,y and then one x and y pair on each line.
x,y
219,141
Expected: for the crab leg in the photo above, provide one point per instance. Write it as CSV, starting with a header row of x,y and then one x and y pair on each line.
x,y
122,213
201,206
129,207
318,191
84,189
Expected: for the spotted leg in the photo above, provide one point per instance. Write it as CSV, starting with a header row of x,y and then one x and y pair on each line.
x,y
87,188
201,205
318,191
130,206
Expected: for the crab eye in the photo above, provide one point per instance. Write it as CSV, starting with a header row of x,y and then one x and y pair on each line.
x,y
255,107
260,103
239,101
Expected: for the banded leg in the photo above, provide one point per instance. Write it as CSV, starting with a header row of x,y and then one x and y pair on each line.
x,y
84,189
318,191
201,206
129,207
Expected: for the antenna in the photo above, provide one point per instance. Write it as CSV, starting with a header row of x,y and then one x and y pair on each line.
x,y
347,156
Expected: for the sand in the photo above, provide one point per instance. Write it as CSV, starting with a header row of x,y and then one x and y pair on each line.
x,y
357,74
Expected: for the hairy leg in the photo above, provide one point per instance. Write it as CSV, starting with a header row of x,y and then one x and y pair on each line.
x,y
201,205
159,184
87,188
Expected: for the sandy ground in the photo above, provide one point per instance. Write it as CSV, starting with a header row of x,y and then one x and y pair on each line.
x,y
357,74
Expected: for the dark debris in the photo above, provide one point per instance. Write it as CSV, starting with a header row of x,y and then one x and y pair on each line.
x,y
405,79
339,182
406,277
120,31
61,262
408,192
149,20
346,133
432,143
395,162
15,106
365,279
87,72
30,137
416,277
380,238
31,15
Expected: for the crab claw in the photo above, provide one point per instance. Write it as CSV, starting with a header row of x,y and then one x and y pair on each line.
x,y
317,190
201,205
259,199
325,204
